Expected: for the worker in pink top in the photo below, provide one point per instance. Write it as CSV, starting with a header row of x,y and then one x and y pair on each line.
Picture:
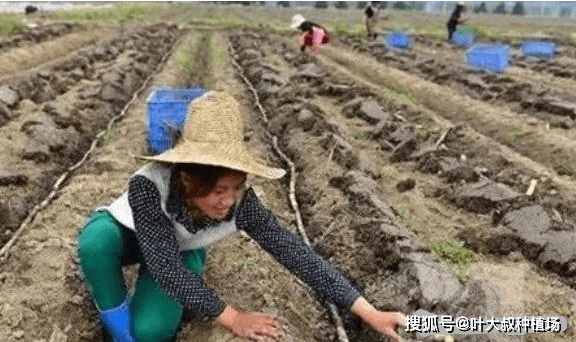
x,y
313,35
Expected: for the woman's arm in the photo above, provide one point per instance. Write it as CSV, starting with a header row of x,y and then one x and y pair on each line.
x,y
291,251
161,253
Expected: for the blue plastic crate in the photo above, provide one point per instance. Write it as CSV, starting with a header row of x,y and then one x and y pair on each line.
x,y
538,49
463,39
488,57
398,40
167,109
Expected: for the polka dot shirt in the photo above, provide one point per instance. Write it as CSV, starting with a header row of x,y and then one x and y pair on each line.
x,y
163,259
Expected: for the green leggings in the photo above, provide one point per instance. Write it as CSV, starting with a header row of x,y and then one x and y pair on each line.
x,y
104,246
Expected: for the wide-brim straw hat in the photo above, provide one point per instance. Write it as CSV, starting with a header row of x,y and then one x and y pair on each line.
x,y
297,20
213,135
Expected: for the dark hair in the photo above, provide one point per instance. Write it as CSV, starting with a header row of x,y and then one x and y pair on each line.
x,y
204,177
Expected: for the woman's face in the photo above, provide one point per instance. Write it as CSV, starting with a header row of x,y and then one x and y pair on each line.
x,y
219,201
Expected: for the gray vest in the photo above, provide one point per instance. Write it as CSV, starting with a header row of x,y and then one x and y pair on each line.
x,y
160,176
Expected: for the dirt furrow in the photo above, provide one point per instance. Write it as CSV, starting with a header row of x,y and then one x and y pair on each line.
x,y
52,116
44,297
307,106
34,35
459,176
521,95
483,174
515,131
559,66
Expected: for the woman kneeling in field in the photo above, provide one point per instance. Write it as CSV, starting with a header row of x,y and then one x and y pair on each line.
x,y
190,197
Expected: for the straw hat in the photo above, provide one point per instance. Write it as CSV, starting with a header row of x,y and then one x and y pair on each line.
x,y
213,135
297,20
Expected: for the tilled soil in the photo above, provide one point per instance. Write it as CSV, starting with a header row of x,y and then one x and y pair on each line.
x,y
340,117
378,178
34,35
554,225
50,117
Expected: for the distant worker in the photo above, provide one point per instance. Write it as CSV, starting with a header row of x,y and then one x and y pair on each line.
x,y
313,35
371,17
455,19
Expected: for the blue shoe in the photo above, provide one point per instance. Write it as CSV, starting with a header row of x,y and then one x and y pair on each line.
x,y
117,321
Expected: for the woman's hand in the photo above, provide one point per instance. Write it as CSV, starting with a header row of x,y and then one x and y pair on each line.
x,y
383,322
387,322
250,325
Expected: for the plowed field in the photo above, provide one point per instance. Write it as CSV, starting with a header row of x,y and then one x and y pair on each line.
x,y
394,152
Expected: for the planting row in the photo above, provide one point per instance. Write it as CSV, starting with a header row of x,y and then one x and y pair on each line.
x,y
521,96
348,220
558,65
34,35
540,226
51,116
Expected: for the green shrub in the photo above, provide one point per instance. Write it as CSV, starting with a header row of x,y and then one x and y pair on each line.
x,y
10,24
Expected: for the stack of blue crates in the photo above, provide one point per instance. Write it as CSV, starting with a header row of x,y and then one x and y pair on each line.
x,y
462,39
398,40
167,109
538,49
488,57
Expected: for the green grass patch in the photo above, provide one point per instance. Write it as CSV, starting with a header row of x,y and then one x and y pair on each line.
x,y
564,166
360,136
455,256
201,70
250,262
218,18
429,133
436,31
184,56
481,33
119,13
515,133
397,94
110,135
342,29
10,24
402,211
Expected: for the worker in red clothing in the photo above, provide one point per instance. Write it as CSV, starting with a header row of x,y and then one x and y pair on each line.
x,y
313,35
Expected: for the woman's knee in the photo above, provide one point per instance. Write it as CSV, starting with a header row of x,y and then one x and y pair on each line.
x,y
155,327
99,239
